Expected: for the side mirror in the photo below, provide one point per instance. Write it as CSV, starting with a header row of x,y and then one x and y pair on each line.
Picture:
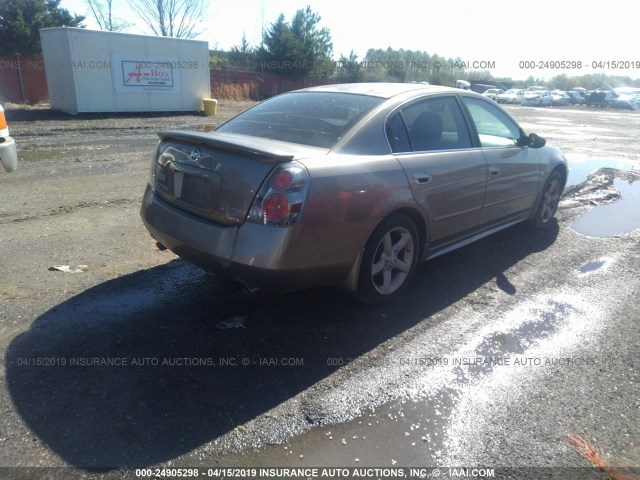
x,y
535,141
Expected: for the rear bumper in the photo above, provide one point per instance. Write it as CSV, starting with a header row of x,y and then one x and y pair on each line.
x,y
9,154
270,258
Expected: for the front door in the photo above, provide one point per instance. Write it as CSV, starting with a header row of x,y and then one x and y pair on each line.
x,y
514,172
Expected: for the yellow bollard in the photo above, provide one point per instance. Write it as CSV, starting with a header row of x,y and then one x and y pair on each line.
x,y
210,106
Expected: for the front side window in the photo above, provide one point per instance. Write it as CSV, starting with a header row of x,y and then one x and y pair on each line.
x,y
428,125
495,129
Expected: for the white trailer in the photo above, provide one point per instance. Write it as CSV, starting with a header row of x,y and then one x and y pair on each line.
x,y
96,71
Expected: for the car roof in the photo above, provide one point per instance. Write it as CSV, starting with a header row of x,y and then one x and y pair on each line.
x,y
383,90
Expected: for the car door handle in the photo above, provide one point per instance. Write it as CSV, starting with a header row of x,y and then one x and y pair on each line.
x,y
494,170
422,178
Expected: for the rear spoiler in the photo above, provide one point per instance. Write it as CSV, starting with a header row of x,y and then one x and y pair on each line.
x,y
261,148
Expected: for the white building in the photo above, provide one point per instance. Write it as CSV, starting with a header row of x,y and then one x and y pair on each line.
x,y
96,71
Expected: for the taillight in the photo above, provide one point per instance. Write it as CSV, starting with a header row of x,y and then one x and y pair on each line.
x,y
281,199
281,180
275,207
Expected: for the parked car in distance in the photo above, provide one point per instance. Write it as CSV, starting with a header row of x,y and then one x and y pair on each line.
x,y
537,98
560,98
493,93
599,98
626,101
8,152
575,98
513,95
348,185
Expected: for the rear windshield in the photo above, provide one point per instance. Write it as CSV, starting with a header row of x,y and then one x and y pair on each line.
x,y
318,119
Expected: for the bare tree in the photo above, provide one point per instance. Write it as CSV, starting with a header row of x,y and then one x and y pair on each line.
x,y
103,13
171,18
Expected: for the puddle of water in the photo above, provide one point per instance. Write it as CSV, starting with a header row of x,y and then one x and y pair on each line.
x,y
580,168
421,427
434,420
613,219
592,266
544,323
418,430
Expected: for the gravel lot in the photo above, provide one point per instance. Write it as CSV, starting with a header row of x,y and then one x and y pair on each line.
x,y
327,381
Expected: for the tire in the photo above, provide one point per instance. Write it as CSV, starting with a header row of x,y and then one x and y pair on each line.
x,y
389,260
548,203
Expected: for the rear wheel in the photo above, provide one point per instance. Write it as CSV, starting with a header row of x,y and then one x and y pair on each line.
x,y
549,200
389,260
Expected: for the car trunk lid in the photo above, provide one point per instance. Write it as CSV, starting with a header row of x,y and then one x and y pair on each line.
x,y
216,175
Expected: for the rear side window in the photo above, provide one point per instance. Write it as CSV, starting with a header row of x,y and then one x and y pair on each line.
x,y
397,134
495,129
318,119
427,125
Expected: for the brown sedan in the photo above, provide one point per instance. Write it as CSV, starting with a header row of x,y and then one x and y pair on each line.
x,y
348,185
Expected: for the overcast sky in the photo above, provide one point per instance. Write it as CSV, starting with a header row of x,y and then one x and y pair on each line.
x,y
502,32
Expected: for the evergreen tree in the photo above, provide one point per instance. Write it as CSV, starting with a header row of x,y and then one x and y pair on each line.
x,y
21,21
298,48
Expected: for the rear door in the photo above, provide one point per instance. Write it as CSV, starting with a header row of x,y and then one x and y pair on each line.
x,y
513,171
430,139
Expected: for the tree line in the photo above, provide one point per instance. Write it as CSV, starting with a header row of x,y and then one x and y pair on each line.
x,y
298,48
